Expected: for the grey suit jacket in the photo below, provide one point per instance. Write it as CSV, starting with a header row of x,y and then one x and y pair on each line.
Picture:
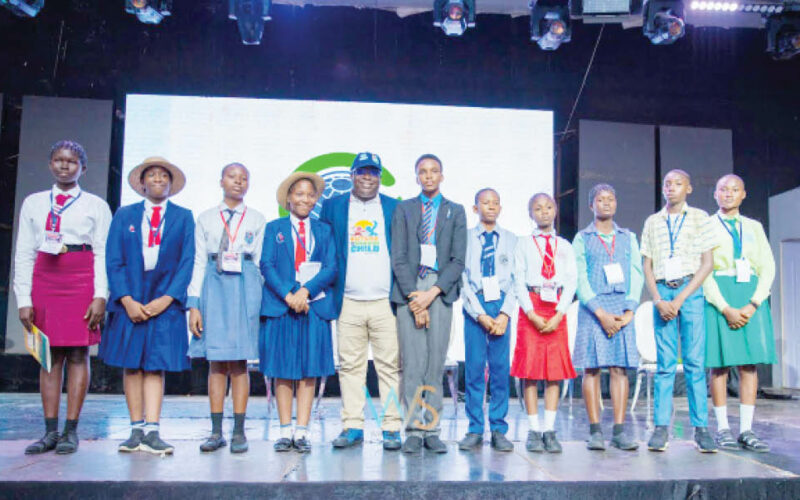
x,y
451,248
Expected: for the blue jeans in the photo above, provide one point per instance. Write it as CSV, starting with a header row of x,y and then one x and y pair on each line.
x,y
689,326
481,347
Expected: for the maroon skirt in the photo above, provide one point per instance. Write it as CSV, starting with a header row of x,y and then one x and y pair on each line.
x,y
63,288
542,356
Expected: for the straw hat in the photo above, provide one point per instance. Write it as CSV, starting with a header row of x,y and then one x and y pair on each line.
x,y
283,189
178,179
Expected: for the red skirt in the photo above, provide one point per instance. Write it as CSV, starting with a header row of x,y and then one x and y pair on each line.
x,y
542,356
63,288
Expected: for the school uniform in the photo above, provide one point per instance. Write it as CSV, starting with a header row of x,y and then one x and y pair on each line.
x,y
609,277
295,346
423,351
150,253
226,283
60,286
685,236
545,279
741,239
489,259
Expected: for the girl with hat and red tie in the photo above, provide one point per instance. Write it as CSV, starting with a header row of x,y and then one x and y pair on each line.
x,y
60,284
149,262
298,262
545,279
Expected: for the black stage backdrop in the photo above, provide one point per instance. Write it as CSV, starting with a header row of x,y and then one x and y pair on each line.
x,y
713,78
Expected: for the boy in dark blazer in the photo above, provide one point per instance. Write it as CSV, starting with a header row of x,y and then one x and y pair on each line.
x,y
429,238
361,222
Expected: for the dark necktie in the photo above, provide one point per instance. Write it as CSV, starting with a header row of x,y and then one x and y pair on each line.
x,y
487,254
427,231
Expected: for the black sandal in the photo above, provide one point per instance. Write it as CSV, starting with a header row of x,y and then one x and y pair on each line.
x,y
47,443
751,442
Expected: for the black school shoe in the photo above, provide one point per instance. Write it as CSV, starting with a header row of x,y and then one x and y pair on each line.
x,y
283,444
152,443
434,444
46,443
133,442
551,444
213,443
302,445
67,443
239,443
534,443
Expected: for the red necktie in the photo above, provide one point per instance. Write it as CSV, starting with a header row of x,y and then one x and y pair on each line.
x,y
300,248
155,223
52,219
548,263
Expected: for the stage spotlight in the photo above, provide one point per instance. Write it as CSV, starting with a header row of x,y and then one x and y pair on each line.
x,y
250,16
149,11
454,16
550,24
783,36
663,21
23,8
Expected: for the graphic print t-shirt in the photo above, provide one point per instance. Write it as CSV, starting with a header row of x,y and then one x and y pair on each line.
x,y
368,268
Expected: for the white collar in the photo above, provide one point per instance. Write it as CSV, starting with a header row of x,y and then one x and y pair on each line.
x,y
539,232
148,205
72,192
238,208
296,221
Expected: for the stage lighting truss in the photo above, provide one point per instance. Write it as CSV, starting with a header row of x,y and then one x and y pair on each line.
x,y
550,23
783,36
663,21
728,6
23,8
250,16
454,16
149,11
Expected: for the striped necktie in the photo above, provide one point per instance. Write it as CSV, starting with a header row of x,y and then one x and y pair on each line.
x,y
487,254
427,231
224,242
548,263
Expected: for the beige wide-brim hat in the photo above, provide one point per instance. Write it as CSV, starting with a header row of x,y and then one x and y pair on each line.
x,y
178,179
283,189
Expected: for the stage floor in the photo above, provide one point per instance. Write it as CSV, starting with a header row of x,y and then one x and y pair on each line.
x,y
185,424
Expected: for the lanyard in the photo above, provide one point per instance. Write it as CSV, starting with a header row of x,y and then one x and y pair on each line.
x,y
541,254
300,240
733,236
227,229
55,214
673,237
156,230
613,245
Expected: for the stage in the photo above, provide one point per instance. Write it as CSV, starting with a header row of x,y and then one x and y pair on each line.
x,y
97,470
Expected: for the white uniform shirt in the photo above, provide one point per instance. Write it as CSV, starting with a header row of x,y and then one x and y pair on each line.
x,y
148,215
308,236
528,269
209,229
369,270
85,222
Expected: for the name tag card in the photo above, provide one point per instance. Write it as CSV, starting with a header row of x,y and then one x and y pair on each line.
x,y
673,270
53,243
743,271
231,262
614,273
308,270
150,255
427,255
491,288
549,292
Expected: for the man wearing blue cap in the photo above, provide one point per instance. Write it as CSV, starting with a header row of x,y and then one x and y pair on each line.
x,y
361,222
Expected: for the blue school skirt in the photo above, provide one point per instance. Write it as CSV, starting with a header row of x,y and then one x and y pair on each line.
x,y
593,348
157,344
230,305
295,346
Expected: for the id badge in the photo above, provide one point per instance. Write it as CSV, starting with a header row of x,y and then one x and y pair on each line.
x,y
549,292
614,273
673,269
150,255
427,255
231,262
491,288
53,243
743,271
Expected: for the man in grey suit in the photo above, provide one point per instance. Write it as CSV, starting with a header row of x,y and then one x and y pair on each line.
x,y
429,239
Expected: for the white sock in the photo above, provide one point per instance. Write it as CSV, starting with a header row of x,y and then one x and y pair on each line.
x,y
150,427
746,417
721,414
533,423
300,432
138,425
286,431
550,420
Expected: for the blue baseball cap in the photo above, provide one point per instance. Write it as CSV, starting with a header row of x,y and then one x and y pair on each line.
x,y
367,159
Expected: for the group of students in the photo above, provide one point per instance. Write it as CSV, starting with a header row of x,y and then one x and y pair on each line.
x,y
388,272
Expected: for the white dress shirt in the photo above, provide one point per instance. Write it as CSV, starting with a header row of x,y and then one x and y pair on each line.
x,y
146,218
308,236
209,229
528,269
369,269
84,222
